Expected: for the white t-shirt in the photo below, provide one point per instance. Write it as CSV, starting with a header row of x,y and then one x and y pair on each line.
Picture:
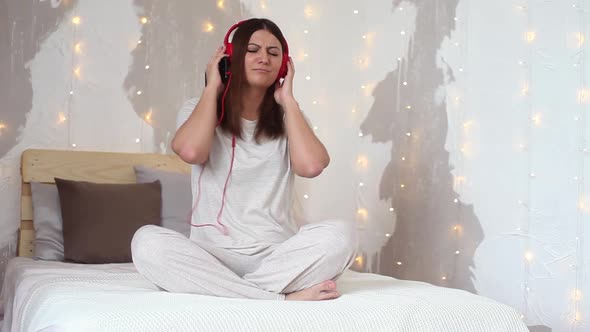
x,y
258,196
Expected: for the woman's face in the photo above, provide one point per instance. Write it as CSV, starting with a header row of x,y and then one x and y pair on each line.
x,y
263,59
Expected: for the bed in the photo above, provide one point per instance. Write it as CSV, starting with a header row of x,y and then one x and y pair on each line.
x,y
39,295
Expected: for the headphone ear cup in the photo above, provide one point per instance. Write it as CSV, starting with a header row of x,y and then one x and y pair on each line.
x,y
283,70
224,69
229,49
224,63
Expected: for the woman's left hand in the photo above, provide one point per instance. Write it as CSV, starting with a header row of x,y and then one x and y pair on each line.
x,y
284,91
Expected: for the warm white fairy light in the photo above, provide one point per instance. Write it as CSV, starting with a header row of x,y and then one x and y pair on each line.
x,y
208,27
61,118
147,67
530,36
306,196
137,140
220,4
139,92
362,212
76,20
143,20
309,11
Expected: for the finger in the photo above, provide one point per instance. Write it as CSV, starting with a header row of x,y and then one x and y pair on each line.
x,y
291,66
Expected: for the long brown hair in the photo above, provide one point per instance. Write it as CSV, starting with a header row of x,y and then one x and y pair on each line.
x,y
270,122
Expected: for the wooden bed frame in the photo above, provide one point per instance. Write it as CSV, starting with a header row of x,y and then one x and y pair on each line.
x,y
101,167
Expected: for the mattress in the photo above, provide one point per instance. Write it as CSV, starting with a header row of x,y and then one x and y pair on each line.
x,y
55,296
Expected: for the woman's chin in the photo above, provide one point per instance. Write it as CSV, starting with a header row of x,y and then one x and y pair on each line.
x,y
260,83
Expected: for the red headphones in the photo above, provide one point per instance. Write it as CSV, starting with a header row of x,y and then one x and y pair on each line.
x,y
229,52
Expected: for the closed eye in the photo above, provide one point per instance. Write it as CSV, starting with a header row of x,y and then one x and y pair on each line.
x,y
272,50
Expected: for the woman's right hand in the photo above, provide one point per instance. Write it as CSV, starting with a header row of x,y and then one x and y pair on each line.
x,y
213,76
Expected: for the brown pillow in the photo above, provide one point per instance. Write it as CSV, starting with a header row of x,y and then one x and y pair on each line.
x,y
99,220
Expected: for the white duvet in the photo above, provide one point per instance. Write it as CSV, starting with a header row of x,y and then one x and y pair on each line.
x,y
54,296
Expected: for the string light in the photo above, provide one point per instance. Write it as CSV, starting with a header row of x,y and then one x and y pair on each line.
x,y
582,101
208,27
2,127
530,36
76,50
143,20
220,4
61,118
362,212
309,11
148,117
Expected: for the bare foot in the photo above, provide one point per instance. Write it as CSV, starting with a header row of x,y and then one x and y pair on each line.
x,y
322,291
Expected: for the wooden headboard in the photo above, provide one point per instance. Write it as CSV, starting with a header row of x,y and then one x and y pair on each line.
x,y
101,167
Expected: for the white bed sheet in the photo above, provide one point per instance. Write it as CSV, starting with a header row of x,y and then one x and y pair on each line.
x,y
55,296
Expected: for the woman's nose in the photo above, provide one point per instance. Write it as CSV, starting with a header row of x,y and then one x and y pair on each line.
x,y
264,58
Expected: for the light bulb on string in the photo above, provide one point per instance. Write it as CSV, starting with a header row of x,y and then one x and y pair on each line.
x,y
208,27
61,117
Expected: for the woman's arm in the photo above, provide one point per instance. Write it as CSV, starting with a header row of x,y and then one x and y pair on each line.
x,y
308,155
193,138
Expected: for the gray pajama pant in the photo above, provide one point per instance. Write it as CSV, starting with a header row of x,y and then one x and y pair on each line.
x,y
318,252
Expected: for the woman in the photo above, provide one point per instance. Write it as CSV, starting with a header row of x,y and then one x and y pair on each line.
x,y
242,187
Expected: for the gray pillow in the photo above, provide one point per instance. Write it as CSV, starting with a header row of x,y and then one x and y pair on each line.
x,y
47,221
176,196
